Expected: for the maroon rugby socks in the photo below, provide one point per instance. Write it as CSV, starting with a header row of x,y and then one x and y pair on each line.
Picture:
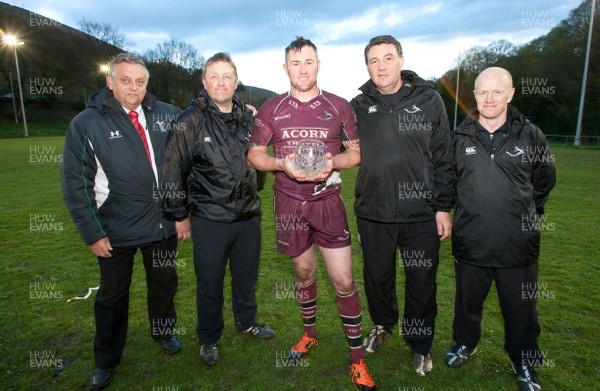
x,y
307,297
351,314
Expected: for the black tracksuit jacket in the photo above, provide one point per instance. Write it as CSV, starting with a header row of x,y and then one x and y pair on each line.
x,y
406,172
206,162
108,185
500,196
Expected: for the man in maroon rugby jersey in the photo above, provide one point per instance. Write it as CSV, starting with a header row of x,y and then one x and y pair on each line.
x,y
311,211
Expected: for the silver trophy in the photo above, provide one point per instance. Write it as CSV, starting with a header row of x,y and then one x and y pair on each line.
x,y
309,159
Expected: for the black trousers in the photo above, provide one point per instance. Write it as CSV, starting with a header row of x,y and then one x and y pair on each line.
x,y
112,299
419,246
517,294
214,244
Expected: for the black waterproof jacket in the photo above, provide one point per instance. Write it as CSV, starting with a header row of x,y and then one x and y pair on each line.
x,y
206,166
405,173
500,196
108,185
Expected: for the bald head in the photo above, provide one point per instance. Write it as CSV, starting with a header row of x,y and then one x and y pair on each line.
x,y
493,92
497,74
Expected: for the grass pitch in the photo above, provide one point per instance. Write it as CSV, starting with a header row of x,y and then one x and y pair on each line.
x,y
47,343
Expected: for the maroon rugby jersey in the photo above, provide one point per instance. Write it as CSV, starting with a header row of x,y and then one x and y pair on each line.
x,y
283,121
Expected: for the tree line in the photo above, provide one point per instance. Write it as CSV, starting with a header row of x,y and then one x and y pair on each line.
x,y
547,75
175,66
547,72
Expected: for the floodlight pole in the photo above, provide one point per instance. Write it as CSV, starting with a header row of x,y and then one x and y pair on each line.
x,y
577,141
456,95
25,132
12,92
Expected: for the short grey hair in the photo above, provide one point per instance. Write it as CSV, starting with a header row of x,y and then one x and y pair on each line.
x,y
129,58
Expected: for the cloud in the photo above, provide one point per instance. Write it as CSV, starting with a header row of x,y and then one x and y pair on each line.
x,y
147,40
236,25
331,32
371,21
256,33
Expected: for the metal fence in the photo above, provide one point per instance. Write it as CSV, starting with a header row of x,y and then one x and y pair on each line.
x,y
591,141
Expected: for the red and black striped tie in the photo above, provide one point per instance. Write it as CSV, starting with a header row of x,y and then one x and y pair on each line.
x,y
140,129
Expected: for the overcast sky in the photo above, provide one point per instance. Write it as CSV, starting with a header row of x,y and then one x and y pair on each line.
x,y
256,32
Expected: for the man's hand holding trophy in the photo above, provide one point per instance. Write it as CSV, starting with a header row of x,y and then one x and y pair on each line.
x,y
310,162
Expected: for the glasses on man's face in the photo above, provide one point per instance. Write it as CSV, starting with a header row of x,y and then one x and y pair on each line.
x,y
496,94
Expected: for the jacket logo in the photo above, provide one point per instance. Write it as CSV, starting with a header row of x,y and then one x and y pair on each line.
x,y
326,116
517,152
373,109
207,139
470,151
413,110
115,134
161,126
